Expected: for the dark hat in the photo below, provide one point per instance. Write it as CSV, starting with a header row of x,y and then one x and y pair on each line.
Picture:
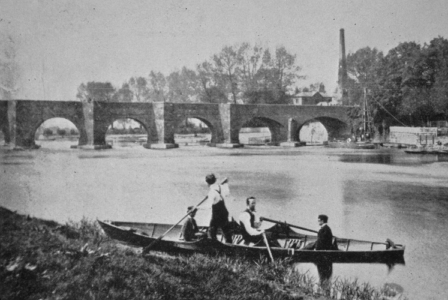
x,y
190,209
210,178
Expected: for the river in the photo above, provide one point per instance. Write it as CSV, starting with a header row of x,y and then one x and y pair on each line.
x,y
367,194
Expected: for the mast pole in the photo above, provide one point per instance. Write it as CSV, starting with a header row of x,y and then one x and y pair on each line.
x,y
364,113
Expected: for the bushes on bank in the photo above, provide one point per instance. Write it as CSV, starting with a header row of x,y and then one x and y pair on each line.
x,y
48,132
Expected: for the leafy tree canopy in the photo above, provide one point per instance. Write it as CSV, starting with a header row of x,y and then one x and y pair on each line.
x,y
95,91
407,86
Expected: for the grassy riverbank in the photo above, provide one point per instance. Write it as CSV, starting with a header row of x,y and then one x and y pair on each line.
x,y
45,260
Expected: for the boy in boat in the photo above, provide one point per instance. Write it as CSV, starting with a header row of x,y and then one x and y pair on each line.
x,y
190,230
220,214
324,236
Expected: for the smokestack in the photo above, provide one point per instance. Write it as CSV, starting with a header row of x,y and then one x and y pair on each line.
x,y
342,74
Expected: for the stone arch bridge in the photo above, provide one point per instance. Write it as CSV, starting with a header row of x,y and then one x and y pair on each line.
x,y
19,120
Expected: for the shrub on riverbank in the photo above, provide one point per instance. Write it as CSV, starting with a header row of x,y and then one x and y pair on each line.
x,y
44,260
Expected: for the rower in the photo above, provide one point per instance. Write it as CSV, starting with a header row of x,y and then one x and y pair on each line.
x,y
250,224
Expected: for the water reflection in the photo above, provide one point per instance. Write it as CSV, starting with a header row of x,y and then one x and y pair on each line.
x,y
325,274
325,271
368,195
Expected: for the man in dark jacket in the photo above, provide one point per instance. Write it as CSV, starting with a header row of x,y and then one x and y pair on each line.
x,y
324,236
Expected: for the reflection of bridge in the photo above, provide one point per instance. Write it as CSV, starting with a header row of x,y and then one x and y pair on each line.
x,y
19,120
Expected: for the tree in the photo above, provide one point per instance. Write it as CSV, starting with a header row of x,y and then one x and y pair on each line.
x,y
260,97
425,86
95,91
73,131
407,86
313,87
320,87
285,69
226,66
9,67
397,79
372,82
61,132
205,75
211,88
48,132
139,88
250,63
158,89
183,86
124,94
278,74
236,73
363,67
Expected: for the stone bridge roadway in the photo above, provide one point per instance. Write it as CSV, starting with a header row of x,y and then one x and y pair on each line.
x,y
19,120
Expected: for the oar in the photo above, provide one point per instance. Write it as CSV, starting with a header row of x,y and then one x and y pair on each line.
x,y
267,246
147,248
290,225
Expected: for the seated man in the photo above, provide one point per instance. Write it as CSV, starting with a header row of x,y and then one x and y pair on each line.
x,y
250,222
324,236
190,230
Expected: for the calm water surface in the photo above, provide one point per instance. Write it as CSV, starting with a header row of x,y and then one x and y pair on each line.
x,y
369,194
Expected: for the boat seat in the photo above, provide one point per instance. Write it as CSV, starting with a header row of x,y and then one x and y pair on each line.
x,y
293,243
237,239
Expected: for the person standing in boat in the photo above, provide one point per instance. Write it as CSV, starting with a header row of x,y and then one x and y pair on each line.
x,y
190,229
220,214
250,224
324,236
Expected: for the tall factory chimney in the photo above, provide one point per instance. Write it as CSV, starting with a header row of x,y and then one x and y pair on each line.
x,y
342,74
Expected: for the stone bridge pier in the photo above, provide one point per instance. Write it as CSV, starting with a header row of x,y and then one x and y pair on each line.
x,y
20,119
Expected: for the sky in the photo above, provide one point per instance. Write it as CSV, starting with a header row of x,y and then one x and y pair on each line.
x,y
62,44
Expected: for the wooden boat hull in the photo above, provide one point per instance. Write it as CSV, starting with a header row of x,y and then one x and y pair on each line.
x,y
143,234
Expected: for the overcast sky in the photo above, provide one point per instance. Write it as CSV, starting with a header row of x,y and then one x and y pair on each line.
x,y
64,43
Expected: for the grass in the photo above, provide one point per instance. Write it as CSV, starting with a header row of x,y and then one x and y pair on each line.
x,y
45,260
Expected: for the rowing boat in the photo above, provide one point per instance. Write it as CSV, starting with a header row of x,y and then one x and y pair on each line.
x,y
290,243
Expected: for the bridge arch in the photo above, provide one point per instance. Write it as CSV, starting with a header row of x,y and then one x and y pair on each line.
x,y
58,129
29,131
273,125
101,131
336,128
212,127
